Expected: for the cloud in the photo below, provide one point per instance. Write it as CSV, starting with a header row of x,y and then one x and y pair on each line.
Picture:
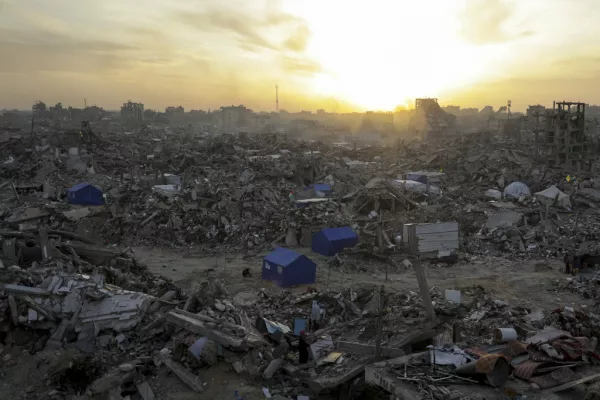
x,y
252,30
247,31
524,91
301,66
485,22
37,50
298,40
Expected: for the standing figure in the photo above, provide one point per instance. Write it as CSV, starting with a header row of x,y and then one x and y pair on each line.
x,y
303,348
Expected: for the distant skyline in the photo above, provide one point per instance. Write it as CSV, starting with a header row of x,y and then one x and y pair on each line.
x,y
338,55
282,110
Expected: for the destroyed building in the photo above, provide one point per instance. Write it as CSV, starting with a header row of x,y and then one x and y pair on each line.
x,y
232,118
39,109
132,112
536,121
132,266
566,142
430,120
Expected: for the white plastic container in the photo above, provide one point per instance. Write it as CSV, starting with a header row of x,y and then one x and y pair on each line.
x,y
502,335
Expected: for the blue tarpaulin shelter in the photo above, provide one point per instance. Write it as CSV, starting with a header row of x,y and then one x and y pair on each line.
x,y
287,268
85,194
331,241
320,187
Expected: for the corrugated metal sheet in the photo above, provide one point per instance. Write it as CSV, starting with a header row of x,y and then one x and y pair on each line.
x,y
526,369
430,238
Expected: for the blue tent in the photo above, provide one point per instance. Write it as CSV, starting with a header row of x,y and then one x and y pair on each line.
x,y
331,241
287,268
320,187
85,194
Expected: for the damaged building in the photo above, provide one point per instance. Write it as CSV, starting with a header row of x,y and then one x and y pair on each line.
x,y
566,142
178,262
132,113
430,120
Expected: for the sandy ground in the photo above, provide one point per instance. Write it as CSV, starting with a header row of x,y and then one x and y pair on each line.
x,y
528,283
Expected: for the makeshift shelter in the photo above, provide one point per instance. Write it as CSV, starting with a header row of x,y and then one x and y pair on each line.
x,y
320,187
331,241
516,190
553,195
85,194
287,268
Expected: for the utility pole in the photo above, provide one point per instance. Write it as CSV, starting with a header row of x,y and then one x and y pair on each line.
x,y
33,111
379,323
424,289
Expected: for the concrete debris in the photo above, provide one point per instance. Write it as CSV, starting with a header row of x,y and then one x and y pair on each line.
x,y
182,373
145,391
501,219
72,289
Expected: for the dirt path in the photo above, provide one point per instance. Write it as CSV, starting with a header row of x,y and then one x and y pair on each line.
x,y
528,283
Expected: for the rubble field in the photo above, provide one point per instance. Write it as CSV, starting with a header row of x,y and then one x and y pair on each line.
x,y
136,265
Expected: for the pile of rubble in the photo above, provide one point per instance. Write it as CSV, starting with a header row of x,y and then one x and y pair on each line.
x,y
95,314
116,326
223,192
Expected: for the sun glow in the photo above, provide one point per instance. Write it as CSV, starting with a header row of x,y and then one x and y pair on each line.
x,y
378,54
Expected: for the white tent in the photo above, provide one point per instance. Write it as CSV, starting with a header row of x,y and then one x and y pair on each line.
x,y
516,190
549,195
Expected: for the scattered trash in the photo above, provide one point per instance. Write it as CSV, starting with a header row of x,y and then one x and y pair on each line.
x,y
76,301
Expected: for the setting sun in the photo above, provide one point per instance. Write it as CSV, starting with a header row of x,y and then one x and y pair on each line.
x,y
375,57
336,55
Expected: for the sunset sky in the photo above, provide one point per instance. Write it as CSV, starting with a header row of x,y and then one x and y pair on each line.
x,y
332,54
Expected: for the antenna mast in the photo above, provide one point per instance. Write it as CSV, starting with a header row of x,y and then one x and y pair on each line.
x,y
277,99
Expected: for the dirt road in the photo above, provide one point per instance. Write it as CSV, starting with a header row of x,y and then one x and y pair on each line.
x,y
528,283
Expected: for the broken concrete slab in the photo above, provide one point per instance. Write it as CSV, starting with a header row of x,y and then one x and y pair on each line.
x,y
195,325
187,377
366,349
121,311
505,218
328,382
378,374
145,391
273,366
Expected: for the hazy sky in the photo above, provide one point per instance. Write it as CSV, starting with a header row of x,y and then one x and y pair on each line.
x,y
339,55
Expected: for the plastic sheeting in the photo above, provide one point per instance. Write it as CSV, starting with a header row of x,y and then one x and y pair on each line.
x,y
493,193
549,195
516,190
449,356
416,187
